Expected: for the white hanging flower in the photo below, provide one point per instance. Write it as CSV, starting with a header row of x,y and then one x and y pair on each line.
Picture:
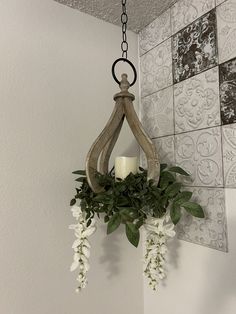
x,y
158,230
81,245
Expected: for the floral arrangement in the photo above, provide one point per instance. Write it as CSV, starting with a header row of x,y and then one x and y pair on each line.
x,y
134,202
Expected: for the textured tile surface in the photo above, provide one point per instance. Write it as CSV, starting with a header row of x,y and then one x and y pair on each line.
x,y
157,113
184,12
200,154
212,231
194,48
197,102
156,69
226,22
229,155
228,91
165,149
155,33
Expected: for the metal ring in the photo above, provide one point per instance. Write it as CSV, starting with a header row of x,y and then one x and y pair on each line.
x,y
132,66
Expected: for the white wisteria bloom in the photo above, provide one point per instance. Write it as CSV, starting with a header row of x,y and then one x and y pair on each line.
x,y
81,245
158,230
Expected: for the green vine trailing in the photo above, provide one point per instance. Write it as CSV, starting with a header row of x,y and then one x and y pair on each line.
x,y
135,199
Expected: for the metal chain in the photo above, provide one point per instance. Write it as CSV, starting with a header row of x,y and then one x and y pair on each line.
x,y
124,20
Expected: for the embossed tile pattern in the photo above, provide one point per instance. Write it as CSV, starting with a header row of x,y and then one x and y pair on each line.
x,y
184,12
204,98
226,23
228,91
156,69
229,155
194,48
197,102
212,231
157,113
166,150
200,154
155,33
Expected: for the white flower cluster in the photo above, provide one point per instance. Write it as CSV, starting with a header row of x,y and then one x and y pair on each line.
x,y
158,230
81,245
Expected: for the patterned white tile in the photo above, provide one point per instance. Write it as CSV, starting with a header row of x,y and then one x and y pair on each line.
x,y
157,113
211,231
229,155
184,12
197,103
165,150
200,154
156,69
226,24
155,33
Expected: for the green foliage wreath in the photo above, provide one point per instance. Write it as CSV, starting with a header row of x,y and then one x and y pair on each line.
x,y
132,200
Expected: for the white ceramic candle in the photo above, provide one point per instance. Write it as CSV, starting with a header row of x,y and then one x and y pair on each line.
x,y
125,165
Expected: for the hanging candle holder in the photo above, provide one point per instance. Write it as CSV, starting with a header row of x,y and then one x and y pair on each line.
x,y
100,152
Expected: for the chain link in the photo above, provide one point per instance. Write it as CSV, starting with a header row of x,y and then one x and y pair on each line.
x,y
124,21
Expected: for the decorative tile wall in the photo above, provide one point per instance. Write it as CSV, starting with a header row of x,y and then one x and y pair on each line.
x,y
156,69
197,102
226,21
211,232
188,105
185,12
194,47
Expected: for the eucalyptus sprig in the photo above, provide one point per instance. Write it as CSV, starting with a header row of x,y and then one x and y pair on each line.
x,y
132,200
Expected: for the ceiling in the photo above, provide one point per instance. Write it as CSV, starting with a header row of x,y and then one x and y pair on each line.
x,y
140,12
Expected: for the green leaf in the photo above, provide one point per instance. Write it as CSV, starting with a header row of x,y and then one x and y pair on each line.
x,y
173,189
87,216
89,222
194,209
122,201
72,202
106,219
175,214
113,223
166,178
162,167
80,179
179,171
132,233
80,172
104,199
183,197
139,223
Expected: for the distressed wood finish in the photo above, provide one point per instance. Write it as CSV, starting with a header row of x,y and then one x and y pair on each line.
x,y
99,144
106,152
104,144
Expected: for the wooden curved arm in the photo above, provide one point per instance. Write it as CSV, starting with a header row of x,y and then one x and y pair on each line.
x,y
106,152
101,142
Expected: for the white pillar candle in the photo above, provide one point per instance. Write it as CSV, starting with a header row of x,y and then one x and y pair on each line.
x,y
125,165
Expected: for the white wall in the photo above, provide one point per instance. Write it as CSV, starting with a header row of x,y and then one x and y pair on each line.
x,y
200,280
56,93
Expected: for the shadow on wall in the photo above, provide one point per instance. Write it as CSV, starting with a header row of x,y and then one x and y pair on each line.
x,y
111,251
220,290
